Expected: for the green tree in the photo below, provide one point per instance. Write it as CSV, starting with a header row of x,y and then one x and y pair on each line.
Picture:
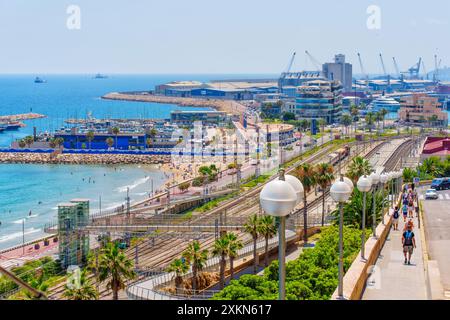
x,y
370,120
307,174
267,229
115,268
221,250
196,257
325,177
358,167
29,141
184,186
234,245
252,227
90,135
22,143
383,112
83,291
179,267
110,142
346,121
288,116
116,132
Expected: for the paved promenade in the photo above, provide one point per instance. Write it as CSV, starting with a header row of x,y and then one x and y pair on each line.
x,y
392,279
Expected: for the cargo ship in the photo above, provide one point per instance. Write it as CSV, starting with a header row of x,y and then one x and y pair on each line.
x,y
39,80
100,76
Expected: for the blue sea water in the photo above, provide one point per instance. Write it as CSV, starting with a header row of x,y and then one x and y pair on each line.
x,y
39,188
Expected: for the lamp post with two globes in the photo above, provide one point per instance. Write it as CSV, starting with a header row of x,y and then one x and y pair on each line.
x,y
340,192
375,178
364,185
278,198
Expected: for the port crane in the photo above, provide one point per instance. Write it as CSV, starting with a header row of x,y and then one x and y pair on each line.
x,y
414,71
397,70
288,69
382,65
362,70
436,68
314,61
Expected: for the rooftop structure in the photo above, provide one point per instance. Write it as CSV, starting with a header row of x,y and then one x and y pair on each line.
x,y
206,117
436,147
339,70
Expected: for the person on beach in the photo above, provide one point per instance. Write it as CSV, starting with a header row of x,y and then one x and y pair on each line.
x,y
395,217
409,243
405,212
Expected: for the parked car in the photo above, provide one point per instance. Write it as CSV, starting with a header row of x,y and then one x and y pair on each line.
x,y
440,184
431,194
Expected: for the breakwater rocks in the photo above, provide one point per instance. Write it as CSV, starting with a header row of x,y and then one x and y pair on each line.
x,y
22,116
228,106
44,158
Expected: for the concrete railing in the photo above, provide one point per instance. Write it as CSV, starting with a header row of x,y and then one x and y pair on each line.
x,y
356,276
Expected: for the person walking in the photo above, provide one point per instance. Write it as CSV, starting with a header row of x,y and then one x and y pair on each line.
x,y
409,243
395,217
405,212
411,208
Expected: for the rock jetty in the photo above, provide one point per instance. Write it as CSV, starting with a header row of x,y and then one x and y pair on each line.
x,y
45,158
227,106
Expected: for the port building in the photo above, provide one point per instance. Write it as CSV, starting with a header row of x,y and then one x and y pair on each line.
x,y
421,108
319,99
339,70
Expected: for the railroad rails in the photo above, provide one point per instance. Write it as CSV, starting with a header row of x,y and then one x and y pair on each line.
x,y
156,249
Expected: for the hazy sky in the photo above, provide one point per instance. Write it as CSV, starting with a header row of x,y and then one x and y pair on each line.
x,y
217,36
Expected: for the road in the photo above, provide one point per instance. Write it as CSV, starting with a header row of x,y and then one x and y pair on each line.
x,y
437,231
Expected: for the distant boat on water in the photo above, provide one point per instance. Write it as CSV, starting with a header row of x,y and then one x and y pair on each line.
x,y
39,80
100,76
13,125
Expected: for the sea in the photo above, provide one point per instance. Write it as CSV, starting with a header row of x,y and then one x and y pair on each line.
x,y
30,193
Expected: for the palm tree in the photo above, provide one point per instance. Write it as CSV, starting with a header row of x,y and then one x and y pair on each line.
x,y
354,111
115,131
22,143
110,142
59,141
252,227
370,120
221,249
114,267
179,267
29,141
324,178
84,291
196,257
267,230
234,244
383,112
346,120
358,167
308,177
89,137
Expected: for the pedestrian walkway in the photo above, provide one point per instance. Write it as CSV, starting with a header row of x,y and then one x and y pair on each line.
x,y
392,279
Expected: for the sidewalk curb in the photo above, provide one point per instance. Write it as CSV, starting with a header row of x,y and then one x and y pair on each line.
x,y
434,288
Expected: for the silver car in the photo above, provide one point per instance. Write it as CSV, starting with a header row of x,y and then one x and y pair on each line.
x,y
431,194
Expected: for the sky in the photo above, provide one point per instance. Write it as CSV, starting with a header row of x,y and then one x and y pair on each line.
x,y
217,36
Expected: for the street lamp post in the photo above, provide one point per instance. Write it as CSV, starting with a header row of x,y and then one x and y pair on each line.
x,y
375,178
278,198
383,179
340,191
364,185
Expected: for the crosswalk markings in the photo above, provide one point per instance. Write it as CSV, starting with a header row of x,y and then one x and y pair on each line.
x,y
447,295
441,196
